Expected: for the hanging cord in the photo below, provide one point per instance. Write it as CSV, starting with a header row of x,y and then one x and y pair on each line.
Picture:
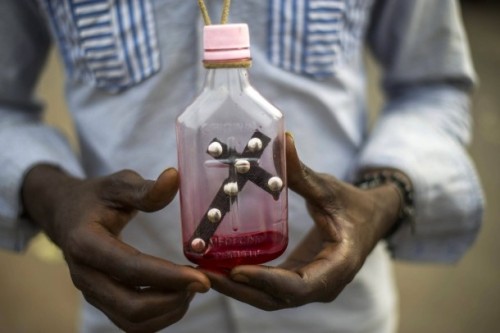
x,y
225,12
204,12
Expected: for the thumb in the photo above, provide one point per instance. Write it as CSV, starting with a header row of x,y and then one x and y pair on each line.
x,y
129,189
316,188
156,195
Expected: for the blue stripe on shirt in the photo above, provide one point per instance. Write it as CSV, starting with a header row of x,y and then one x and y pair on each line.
x,y
136,46
146,36
60,36
123,39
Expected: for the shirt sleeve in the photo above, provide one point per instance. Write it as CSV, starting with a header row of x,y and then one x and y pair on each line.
x,y
24,140
425,125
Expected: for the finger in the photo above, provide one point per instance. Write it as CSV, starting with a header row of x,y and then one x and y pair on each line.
x,y
285,285
314,187
327,278
115,299
129,323
244,293
128,189
330,271
101,250
319,281
278,151
152,325
308,248
161,192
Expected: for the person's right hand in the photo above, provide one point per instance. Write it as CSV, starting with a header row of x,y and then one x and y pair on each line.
x,y
138,292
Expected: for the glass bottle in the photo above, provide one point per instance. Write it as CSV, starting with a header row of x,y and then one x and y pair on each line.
x,y
231,155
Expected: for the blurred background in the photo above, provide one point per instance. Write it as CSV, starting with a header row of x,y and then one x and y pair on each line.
x,y
36,293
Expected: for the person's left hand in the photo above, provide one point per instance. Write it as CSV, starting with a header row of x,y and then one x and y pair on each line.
x,y
348,224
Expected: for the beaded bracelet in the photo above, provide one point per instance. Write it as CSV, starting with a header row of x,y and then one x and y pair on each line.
x,y
405,190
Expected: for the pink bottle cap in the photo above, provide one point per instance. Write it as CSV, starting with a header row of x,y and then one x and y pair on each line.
x,y
226,42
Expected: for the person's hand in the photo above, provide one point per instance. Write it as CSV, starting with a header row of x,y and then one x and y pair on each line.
x,y
138,292
348,224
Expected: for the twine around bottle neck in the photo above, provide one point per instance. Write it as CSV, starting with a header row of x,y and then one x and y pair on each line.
x,y
238,63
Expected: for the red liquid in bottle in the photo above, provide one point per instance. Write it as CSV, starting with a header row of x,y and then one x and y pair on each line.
x,y
231,251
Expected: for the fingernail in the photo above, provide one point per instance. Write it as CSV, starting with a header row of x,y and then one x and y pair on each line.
x,y
196,287
170,170
240,278
290,135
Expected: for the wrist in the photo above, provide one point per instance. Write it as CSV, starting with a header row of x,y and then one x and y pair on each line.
x,y
388,205
397,196
41,193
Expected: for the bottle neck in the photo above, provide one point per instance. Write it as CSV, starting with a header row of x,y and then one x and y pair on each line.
x,y
231,79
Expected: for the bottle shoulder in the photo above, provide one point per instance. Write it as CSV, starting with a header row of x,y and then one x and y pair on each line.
x,y
227,105
262,102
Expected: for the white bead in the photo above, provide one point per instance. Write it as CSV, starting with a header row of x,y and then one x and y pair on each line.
x,y
215,149
214,215
275,184
198,245
242,166
231,189
254,145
